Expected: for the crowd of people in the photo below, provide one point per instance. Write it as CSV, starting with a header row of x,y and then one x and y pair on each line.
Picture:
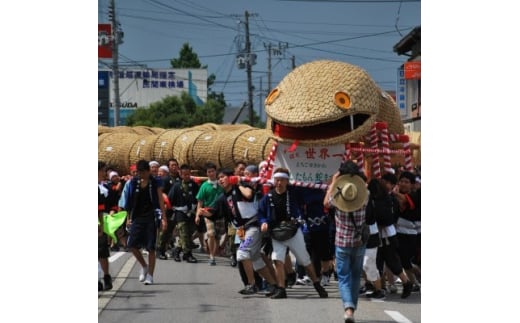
x,y
262,226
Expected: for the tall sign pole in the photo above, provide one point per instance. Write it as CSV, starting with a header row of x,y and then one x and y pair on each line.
x,y
248,70
115,61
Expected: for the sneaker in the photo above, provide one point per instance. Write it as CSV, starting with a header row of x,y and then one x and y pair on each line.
x,y
233,261
325,280
143,273
212,262
99,286
148,280
378,294
304,281
189,258
362,290
321,291
416,288
107,279
163,256
279,293
369,287
392,289
269,290
177,254
291,279
249,290
349,319
407,289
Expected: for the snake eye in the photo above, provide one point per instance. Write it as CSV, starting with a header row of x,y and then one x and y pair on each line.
x,y
272,96
342,100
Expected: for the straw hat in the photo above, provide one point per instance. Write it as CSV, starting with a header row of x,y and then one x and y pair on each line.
x,y
350,192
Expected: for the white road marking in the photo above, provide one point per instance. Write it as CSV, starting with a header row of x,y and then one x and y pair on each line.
x,y
398,317
106,296
111,259
116,256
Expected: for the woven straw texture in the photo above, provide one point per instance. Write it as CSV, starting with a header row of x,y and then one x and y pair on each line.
x,y
183,143
104,129
253,146
115,149
389,113
206,147
143,130
227,145
163,146
142,148
306,97
224,147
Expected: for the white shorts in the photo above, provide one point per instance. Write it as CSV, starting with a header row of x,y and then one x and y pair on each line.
x,y
296,245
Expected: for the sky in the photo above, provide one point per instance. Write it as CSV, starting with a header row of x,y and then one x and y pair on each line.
x,y
359,33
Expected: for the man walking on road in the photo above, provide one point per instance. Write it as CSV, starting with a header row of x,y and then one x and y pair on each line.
x,y
144,199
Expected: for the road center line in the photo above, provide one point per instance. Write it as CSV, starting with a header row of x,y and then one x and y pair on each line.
x,y
398,317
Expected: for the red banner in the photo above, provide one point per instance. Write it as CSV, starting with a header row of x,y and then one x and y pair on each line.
x,y
104,41
412,70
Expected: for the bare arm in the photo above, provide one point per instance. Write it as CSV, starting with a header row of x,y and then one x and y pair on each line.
x,y
330,191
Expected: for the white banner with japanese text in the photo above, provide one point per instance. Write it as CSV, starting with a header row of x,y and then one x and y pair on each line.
x,y
309,164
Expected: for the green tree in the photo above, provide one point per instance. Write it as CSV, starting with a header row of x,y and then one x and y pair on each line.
x,y
189,59
177,112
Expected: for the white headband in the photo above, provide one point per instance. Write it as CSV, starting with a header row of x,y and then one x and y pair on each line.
x,y
281,175
112,174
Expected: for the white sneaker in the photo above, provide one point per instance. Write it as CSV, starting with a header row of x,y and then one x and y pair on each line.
x,y
306,281
143,273
324,280
148,280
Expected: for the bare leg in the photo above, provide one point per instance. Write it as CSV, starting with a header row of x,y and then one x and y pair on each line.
x,y
151,261
280,273
248,269
104,265
137,254
266,274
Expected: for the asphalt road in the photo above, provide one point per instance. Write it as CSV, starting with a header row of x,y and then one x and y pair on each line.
x,y
185,292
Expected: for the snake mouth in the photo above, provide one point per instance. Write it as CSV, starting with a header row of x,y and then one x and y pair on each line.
x,y
320,131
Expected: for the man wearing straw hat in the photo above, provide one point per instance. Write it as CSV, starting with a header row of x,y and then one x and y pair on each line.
x,y
348,194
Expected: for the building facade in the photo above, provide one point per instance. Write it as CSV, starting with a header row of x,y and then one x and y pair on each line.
x,y
408,91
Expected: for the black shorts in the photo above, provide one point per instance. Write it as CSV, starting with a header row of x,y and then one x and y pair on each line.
x,y
320,245
201,227
143,235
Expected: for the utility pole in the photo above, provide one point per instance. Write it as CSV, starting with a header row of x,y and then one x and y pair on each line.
x,y
115,60
248,70
260,95
268,68
276,51
293,63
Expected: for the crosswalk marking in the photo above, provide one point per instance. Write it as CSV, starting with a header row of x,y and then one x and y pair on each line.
x,y
398,317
